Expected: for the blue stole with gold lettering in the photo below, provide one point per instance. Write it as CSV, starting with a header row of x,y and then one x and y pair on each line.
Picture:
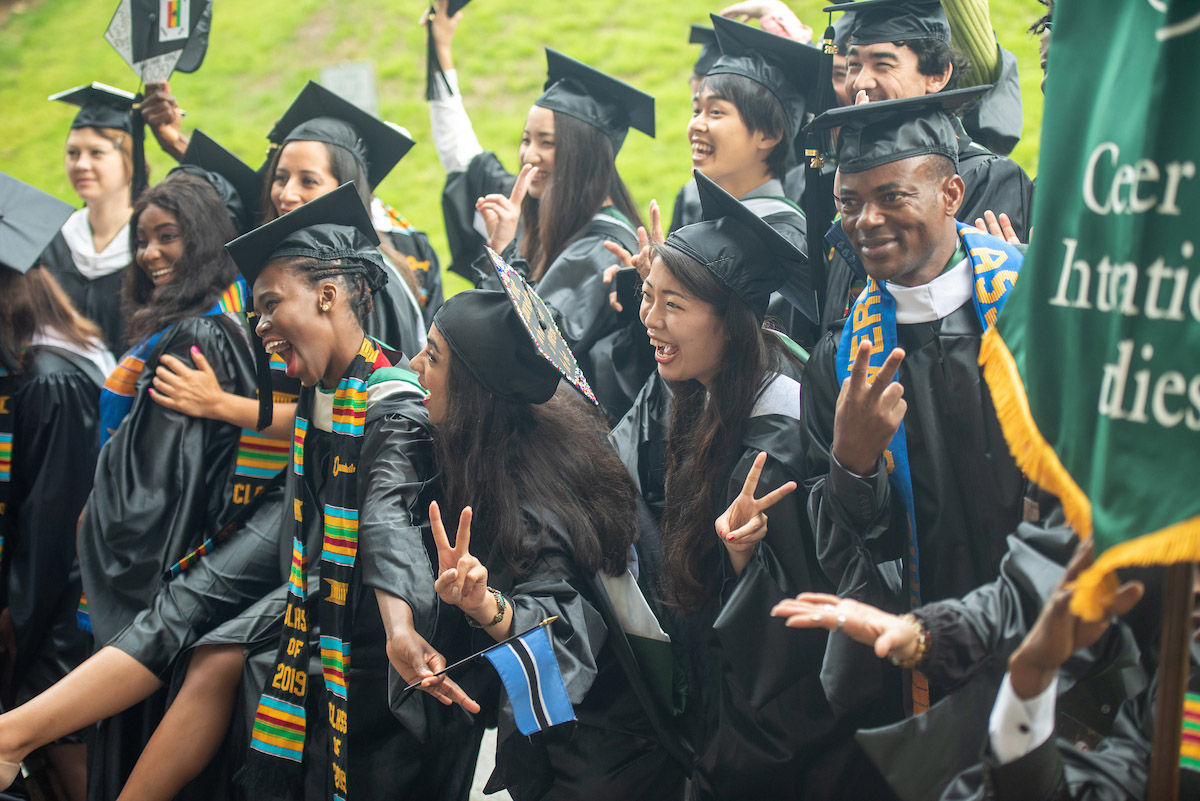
x,y
995,265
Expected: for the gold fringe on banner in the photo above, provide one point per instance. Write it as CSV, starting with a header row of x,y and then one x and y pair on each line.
x,y
1096,586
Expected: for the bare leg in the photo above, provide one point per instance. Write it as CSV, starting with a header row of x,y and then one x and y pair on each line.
x,y
192,730
109,682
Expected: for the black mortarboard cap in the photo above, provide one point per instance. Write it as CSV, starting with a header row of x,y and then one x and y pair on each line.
x,y
101,106
319,115
884,131
334,226
787,69
29,219
710,51
878,21
508,340
587,94
236,182
749,257
842,27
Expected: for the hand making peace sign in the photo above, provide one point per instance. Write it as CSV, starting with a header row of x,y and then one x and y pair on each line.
x,y
462,579
744,523
869,412
501,214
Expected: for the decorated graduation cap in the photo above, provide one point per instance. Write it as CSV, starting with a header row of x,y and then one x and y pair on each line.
x,y
155,36
749,257
589,95
433,67
319,115
235,181
710,51
878,21
100,106
29,219
787,69
334,227
884,131
508,340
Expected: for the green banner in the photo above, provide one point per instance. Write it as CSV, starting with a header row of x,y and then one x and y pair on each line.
x,y
1095,361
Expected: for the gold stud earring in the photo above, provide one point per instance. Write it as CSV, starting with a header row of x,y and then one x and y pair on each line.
x,y
324,307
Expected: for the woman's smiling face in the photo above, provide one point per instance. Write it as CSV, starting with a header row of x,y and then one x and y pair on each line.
x,y
159,244
432,366
687,334
290,322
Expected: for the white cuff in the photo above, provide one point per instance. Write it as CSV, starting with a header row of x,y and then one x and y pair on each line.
x,y
451,129
1018,726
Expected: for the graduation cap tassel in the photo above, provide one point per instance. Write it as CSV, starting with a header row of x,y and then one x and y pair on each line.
x,y
138,132
433,66
817,201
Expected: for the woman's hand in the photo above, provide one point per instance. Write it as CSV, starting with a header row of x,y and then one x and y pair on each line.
x,y
161,112
501,214
890,634
194,392
1000,227
462,579
442,27
744,523
417,661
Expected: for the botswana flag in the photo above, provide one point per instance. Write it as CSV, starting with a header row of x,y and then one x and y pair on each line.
x,y
529,669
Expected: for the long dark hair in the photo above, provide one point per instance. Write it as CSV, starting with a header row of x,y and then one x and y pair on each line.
x,y
343,166
585,173
34,302
706,434
202,273
496,455
761,112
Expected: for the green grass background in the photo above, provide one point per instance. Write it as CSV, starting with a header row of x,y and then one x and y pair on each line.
x,y
263,51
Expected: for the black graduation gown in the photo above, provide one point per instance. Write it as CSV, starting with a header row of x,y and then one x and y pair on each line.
x,y
994,119
1058,771
992,182
423,262
164,483
484,175
970,642
613,750
56,439
395,319
420,749
98,299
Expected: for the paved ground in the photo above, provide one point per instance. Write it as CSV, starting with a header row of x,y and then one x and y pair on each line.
x,y
483,769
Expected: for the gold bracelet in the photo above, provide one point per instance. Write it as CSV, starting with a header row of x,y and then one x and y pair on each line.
x,y
918,655
501,606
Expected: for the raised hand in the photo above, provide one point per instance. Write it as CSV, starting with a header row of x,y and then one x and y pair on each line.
x,y
501,214
744,523
1058,633
889,634
462,579
1000,227
610,272
869,412
442,27
194,392
161,112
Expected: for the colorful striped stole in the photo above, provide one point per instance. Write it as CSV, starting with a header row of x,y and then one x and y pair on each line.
x,y
280,721
1189,751
995,265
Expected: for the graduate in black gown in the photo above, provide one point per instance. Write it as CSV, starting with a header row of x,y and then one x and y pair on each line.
x,y
89,258
553,227
755,713
52,364
214,591
546,531
990,181
906,459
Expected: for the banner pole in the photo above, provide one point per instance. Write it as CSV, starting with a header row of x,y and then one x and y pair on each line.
x,y
1172,683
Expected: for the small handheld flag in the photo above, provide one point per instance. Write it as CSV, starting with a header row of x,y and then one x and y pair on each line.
x,y
529,669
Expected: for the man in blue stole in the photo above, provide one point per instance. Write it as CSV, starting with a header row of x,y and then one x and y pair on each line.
x,y
914,488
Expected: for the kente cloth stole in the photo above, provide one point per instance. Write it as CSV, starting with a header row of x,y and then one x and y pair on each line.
x,y
1189,751
8,391
995,265
120,389
280,722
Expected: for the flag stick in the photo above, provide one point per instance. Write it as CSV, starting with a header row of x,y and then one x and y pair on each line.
x,y
409,689
1172,683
